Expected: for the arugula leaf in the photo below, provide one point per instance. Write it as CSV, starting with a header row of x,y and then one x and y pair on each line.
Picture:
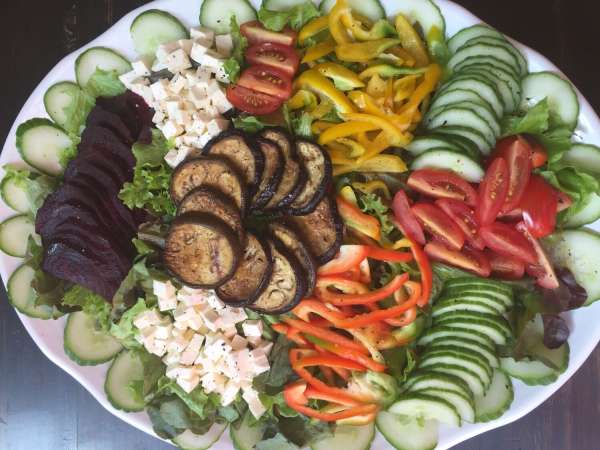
x,y
296,17
91,304
249,124
301,125
104,83
36,186
372,204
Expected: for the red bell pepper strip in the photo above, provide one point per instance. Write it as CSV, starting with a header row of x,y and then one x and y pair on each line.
x,y
292,334
314,394
311,306
366,298
365,272
426,273
381,254
349,257
357,220
411,315
341,284
325,334
348,354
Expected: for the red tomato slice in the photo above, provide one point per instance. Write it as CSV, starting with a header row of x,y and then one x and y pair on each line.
x,y
440,225
406,220
251,101
492,192
517,157
542,269
505,267
539,157
506,241
539,206
281,57
442,184
267,80
257,34
464,217
349,257
468,259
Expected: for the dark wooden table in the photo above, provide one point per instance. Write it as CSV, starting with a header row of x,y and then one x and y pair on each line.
x,y
42,408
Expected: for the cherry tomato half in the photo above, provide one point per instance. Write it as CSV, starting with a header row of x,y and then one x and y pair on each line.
x,y
252,101
256,34
267,80
542,269
539,205
467,259
505,267
517,157
442,184
440,225
281,57
506,241
464,217
406,220
492,192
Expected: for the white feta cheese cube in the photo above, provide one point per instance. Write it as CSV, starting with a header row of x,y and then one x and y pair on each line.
x,y
128,78
147,318
197,52
204,75
158,347
215,126
215,302
178,83
163,288
171,357
167,303
244,364
185,45
229,331
191,352
212,60
158,66
221,75
188,384
160,89
183,118
178,61
190,77
238,342
172,105
173,370
143,91
219,100
224,44
254,404
163,331
217,349
158,116
203,35
255,341
210,318
212,86
181,342
266,347
209,383
142,67
164,50
204,139
253,328
230,393
172,129
197,93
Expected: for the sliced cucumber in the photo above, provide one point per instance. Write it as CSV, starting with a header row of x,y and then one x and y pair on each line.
x,y
191,441
456,96
466,34
496,332
423,144
560,93
497,399
584,157
348,437
578,251
497,50
532,373
57,98
482,286
589,212
532,345
492,297
501,41
154,27
14,195
407,433
14,235
457,348
124,370
84,344
475,136
476,375
464,405
507,86
281,5
467,344
427,379
444,332
99,58
424,12
497,320
368,8
446,305
482,85
216,14
22,295
244,436
480,108
426,407
464,166
41,144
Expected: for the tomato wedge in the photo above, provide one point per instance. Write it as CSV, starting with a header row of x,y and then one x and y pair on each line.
x,y
280,56
268,80
439,224
542,269
517,157
406,220
251,101
257,34
505,267
539,206
464,217
468,259
442,184
506,241
492,192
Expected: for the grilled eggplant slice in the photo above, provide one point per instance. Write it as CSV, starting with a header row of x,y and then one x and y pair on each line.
x,y
317,166
211,171
292,241
286,286
242,152
322,230
212,201
272,173
294,175
201,250
252,275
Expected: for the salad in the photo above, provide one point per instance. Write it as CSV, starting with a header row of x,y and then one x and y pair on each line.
x,y
307,223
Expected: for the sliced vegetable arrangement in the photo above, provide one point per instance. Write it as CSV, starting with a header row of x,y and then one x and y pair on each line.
x,y
307,223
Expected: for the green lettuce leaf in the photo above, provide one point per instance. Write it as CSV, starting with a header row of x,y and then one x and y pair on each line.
x,y
249,124
281,370
104,83
373,205
124,330
36,186
295,17
235,62
77,110
90,303
301,125
232,68
277,442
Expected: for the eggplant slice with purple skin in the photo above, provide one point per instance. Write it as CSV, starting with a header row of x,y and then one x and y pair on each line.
x,y
252,275
211,171
322,230
287,284
201,250
294,176
272,173
317,166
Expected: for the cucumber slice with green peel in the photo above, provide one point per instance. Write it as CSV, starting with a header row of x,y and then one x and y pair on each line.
x,y
99,58
578,251
497,51
482,372
371,9
14,195
472,32
42,144
532,373
479,283
488,61
439,347
84,344
532,345
502,41
588,213
506,85
467,344
216,14
497,399
348,437
446,305
494,330
59,97
491,296
407,433
560,94
424,12
244,436
427,379
191,441
472,379
444,332
473,135
456,116
426,407
153,28
482,85
281,5
584,157
22,295
462,165
463,404
422,144
125,369
456,96
14,235
481,109
493,318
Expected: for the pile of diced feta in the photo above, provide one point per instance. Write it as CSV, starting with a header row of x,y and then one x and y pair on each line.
x,y
196,336
188,107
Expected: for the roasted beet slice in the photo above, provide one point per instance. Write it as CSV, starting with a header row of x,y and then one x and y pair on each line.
x,y
272,173
100,139
134,112
252,275
103,118
201,250
96,167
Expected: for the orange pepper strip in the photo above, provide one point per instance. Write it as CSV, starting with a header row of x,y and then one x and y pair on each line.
x,y
357,220
381,254
344,374
325,334
426,273
363,299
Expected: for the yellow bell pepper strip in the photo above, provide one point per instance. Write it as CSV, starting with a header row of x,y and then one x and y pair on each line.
x,y
395,136
349,195
336,28
312,80
354,148
437,45
372,187
313,28
404,87
427,86
364,52
357,220
338,154
319,126
303,99
345,129
376,86
322,109
388,71
411,41
380,29
344,79
384,163
406,57
366,104
319,50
